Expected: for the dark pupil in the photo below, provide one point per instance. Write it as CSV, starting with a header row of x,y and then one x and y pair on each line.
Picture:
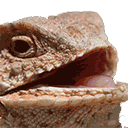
x,y
20,46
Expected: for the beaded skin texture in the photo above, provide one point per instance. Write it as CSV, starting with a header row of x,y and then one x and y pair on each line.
x,y
38,54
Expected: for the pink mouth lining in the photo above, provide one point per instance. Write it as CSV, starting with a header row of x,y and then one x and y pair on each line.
x,y
100,81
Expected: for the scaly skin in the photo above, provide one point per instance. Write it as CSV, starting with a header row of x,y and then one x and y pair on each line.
x,y
61,50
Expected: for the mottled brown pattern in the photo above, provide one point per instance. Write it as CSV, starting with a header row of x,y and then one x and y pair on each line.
x,y
60,47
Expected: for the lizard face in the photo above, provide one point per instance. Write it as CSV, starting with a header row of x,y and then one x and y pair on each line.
x,y
57,53
57,72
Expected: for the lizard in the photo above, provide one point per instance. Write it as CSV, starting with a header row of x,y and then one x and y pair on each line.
x,y
57,72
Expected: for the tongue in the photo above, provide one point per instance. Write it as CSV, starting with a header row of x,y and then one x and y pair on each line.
x,y
96,81
92,81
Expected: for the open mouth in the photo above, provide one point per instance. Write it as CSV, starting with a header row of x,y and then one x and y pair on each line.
x,y
91,70
86,71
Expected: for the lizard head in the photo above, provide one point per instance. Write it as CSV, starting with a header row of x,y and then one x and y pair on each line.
x,y
54,54
58,72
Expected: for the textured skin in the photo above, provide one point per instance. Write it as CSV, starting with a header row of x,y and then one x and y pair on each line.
x,y
55,44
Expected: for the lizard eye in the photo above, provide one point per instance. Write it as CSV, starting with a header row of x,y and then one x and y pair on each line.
x,y
22,46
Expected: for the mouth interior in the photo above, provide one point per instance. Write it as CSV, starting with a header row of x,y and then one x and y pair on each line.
x,y
91,70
